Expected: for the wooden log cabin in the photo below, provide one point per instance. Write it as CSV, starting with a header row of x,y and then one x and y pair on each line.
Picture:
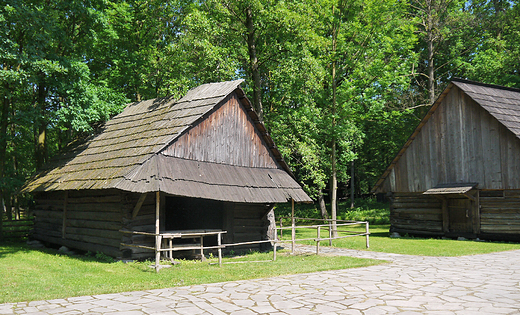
x,y
202,162
458,175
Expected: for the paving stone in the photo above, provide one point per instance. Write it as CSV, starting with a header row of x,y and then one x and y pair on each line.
x,y
479,284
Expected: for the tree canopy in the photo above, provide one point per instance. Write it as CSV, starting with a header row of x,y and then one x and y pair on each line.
x,y
340,84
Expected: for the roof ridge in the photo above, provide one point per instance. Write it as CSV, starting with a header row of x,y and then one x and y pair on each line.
x,y
495,86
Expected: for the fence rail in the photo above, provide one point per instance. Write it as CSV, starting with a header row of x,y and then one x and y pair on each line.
x,y
17,229
170,248
331,227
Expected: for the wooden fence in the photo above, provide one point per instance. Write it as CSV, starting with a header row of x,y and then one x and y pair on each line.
x,y
169,247
334,231
17,229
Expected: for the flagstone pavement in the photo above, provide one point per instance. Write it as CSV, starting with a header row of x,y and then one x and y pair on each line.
x,y
479,284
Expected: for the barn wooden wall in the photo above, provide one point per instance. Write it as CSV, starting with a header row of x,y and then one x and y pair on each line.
x,y
227,136
415,213
500,212
460,143
143,222
93,220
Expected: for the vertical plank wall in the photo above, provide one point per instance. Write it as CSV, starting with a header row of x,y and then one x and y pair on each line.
x,y
460,143
226,136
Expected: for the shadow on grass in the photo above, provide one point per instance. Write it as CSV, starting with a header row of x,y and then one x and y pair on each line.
x,y
18,246
9,247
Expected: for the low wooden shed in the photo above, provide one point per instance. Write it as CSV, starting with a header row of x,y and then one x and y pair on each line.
x,y
459,172
202,162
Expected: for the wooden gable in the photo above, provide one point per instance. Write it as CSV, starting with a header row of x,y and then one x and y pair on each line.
x,y
459,142
226,136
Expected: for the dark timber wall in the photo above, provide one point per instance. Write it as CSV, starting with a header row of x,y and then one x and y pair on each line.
x,y
415,213
498,216
92,220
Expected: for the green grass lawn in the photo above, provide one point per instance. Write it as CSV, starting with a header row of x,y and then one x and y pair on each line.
x,y
381,242
27,274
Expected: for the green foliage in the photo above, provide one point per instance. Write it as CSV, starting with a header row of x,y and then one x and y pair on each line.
x,y
68,66
366,210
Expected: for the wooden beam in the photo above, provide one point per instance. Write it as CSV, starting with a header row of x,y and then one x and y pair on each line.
x,y
470,197
157,236
138,205
293,233
445,216
64,224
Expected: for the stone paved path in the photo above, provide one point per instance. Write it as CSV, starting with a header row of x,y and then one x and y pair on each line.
x,y
480,284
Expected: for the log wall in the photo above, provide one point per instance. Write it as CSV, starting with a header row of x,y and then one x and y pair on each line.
x,y
250,223
144,221
415,213
500,212
92,220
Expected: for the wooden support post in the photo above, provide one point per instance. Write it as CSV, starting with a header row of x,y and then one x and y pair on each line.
x,y
202,248
476,224
170,244
219,243
157,236
275,241
64,224
318,241
367,234
293,232
445,215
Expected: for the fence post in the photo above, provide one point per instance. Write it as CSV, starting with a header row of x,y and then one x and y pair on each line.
x,y
367,234
281,229
293,232
219,243
318,241
275,240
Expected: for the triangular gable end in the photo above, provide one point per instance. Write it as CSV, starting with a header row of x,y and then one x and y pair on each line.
x,y
226,135
379,184
471,138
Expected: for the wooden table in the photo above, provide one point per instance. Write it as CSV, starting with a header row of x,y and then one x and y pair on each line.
x,y
185,234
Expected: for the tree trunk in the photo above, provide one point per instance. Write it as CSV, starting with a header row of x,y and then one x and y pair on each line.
x,y
323,208
253,64
430,39
41,130
8,206
333,180
4,123
334,191
352,185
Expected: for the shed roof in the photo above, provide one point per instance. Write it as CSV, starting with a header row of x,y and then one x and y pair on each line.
x,y
448,189
126,155
503,103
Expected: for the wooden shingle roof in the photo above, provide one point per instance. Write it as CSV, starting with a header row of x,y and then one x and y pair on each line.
x,y
126,153
501,102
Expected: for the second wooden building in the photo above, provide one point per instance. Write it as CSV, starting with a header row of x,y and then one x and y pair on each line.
x,y
459,172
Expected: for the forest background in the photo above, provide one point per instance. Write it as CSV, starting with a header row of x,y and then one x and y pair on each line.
x,y
340,84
